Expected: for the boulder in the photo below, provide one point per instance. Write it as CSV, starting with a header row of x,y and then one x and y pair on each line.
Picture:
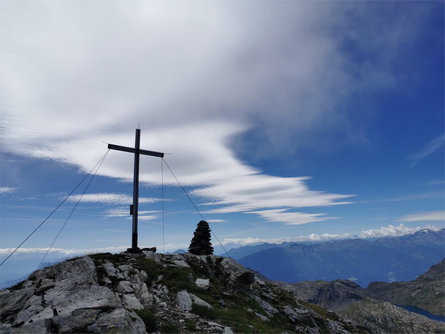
x,y
202,283
184,300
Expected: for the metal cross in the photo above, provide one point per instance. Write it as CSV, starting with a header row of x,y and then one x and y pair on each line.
x,y
134,208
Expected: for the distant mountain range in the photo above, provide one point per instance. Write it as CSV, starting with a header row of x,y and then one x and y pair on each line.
x,y
363,261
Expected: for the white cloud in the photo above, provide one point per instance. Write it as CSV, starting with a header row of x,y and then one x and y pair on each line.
x,y
290,218
81,251
197,77
125,212
7,190
384,231
110,198
393,231
215,220
148,217
425,216
311,237
7,251
432,147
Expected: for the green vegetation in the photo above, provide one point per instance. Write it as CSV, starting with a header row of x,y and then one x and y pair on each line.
x,y
244,280
116,259
149,319
170,327
236,309
203,311
190,325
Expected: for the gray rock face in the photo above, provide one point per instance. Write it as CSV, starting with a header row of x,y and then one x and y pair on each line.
x,y
334,295
202,282
426,292
383,317
199,301
184,300
148,292
269,309
362,307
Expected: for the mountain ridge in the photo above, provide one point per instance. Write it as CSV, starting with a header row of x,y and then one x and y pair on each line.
x,y
375,306
362,260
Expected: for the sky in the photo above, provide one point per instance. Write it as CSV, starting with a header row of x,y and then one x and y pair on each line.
x,y
282,120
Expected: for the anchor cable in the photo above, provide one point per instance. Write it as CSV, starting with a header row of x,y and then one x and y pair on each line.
x,y
52,212
162,201
196,208
75,206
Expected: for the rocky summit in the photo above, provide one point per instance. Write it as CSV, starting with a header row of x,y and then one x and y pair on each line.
x,y
149,292
186,293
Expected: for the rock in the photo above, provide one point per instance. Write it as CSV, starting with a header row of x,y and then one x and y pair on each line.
x,y
144,296
184,300
72,297
118,321
111,270
11,302
269,309
427,291
199,301
77,320
131,302
202,283
228,330
41,326
262,317
68,296
152,256
233,268
125,287
383,317
334,295
291,314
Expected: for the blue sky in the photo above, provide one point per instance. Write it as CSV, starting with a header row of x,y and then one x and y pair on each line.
x,y
284,120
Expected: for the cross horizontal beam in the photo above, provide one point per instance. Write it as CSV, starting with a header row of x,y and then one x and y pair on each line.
x,y
132,150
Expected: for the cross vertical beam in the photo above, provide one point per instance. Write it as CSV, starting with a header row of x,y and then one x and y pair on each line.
x,y
134,236
134,208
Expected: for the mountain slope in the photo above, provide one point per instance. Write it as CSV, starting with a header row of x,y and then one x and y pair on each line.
x,y
384,317
147,292
378,316
362,260
426,292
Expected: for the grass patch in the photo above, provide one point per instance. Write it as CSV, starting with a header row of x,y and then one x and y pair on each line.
x,y
238,318
116,259
177,279
244,280
285,298
149,266
190,325
204,312
320,310
170,327
149,319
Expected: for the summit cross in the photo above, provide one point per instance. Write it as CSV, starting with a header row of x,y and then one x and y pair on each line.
x,y
134,208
